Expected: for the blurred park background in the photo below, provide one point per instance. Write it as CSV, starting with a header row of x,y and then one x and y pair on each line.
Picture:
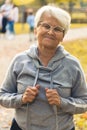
x,y
77,47
76,8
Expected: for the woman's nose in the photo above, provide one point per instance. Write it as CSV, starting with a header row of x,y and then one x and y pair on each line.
x,y
51,31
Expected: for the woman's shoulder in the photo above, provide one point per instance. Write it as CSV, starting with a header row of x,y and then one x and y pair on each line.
x,y
72,59
21,56
72,62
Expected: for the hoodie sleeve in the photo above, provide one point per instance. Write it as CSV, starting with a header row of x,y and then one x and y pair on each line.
x,y
8,93
77,103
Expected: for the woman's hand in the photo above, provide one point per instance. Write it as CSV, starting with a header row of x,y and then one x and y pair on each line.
x,y
30,94
53,96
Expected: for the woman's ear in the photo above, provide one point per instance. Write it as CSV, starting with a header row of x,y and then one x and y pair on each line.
x,y
61,38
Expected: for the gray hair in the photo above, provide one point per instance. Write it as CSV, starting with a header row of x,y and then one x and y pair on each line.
x,y
61,15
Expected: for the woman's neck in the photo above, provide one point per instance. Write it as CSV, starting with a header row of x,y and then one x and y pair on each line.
x,y
45,55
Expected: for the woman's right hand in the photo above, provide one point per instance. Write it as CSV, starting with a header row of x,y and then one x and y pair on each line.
x,y
30,94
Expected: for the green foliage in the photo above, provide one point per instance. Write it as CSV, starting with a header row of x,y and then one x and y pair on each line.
x,y
67,1
43,2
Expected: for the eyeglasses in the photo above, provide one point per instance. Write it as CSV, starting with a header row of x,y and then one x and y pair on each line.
x,y
47,27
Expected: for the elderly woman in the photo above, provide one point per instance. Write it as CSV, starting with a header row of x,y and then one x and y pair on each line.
x,y
45,84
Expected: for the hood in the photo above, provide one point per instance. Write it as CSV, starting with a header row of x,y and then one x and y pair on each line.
x,y
59,54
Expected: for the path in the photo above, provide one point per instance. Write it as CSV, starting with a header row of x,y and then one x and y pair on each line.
x,y
74,34
8,48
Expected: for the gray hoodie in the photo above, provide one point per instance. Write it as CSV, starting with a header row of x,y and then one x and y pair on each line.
x,y
63,73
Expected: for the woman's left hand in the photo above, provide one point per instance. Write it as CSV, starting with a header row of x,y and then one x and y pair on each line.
x,y
53,96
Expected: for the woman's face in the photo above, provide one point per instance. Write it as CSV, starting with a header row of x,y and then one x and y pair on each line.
x,y
49,32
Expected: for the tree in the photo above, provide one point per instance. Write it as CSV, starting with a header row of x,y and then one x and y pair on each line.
x,y
71,6
1,2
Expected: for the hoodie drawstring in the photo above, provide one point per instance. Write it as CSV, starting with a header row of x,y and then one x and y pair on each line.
x,y
28,122
36,77
54,106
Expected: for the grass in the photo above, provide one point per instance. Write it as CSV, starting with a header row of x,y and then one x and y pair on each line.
x,y
79,49
78,25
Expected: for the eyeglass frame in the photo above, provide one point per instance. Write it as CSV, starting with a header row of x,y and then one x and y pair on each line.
x,y
55,29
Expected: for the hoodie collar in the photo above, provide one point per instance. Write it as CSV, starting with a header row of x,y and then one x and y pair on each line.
x,y
60,53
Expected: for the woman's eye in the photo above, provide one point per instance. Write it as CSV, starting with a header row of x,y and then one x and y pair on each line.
x,y
46,26
57,29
